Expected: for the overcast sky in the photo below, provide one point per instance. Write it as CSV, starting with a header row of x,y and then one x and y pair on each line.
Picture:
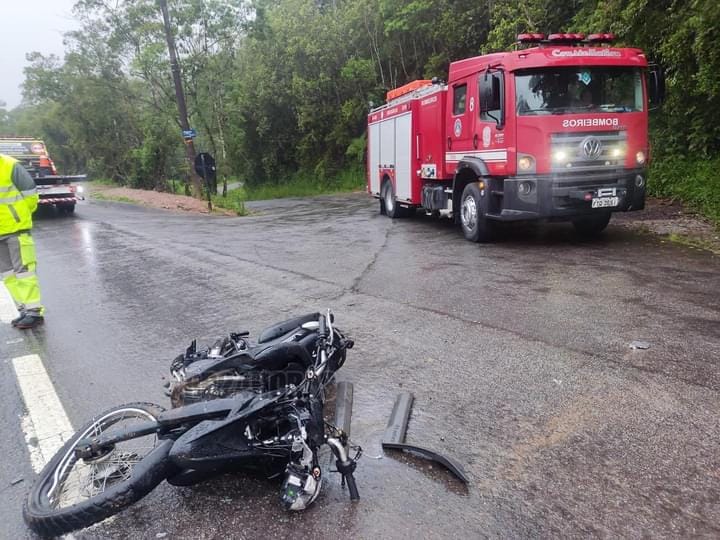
x,y
29,25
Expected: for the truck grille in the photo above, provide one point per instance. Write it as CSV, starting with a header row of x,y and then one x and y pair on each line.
x,y
590,150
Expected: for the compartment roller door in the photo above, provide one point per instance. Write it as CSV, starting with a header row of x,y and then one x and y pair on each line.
x,y
374,161
403,157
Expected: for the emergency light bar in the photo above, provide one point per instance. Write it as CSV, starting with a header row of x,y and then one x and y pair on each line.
x,y
530,38
601,38
568,38
565,38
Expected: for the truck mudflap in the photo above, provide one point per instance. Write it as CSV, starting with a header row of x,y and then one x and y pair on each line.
x,y
565,196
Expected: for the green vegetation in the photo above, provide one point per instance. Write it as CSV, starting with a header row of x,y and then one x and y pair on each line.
x,y
694,242
103,182
278,90
114,198
234,201
304,185
696,182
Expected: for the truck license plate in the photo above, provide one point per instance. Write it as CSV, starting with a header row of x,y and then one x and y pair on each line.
x,y
605,202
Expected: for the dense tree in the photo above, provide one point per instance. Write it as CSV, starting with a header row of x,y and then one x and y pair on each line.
x,y
277,87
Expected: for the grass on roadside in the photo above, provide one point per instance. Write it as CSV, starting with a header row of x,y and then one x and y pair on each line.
x,y
693,181
234,201
114,198
305,185
694,242
103,182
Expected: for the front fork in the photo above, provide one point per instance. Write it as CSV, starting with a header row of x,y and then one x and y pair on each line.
x,y
345,466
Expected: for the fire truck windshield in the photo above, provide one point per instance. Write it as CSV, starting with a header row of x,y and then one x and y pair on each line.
x,y
572,90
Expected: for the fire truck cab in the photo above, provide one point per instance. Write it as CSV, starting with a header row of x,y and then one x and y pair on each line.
x,y
555,130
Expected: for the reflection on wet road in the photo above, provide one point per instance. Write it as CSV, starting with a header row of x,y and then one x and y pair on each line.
x,y
517,354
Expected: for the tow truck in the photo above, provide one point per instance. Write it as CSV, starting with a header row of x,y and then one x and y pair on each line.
x,y
54,189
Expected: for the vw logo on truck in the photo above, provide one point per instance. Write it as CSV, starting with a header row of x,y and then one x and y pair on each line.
x,y
591,147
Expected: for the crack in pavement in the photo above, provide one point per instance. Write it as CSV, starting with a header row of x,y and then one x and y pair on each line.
x,y
354,289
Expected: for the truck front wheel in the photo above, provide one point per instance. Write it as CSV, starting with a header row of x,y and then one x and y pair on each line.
x,y
475,225
591,226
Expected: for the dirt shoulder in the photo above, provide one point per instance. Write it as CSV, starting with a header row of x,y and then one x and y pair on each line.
x,y
154,199
671,219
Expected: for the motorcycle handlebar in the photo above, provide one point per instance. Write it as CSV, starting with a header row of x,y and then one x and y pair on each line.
x,y
322,328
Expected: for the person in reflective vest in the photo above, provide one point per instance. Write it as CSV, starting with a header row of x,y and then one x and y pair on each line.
x,y
18,201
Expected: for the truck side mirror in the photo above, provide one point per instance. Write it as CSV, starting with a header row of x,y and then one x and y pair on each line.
x,y
655,86
496,93
485,95
492,97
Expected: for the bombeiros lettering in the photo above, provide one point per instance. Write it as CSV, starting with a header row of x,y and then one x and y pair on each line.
x,y
591,122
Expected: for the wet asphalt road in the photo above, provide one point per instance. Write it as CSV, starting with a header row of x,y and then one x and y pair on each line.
x,y
517,353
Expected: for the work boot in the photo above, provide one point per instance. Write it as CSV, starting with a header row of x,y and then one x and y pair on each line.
x,y
18,318
29,321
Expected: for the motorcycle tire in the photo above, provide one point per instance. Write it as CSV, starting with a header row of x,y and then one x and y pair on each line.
x,y
125,476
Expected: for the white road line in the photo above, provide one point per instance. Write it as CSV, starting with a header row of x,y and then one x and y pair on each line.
x,y
7,306
46,426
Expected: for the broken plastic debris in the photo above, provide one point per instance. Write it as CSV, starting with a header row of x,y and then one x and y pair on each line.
x,y
640,345
16,481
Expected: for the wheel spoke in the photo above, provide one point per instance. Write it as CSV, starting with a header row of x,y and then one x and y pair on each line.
x,y
84,479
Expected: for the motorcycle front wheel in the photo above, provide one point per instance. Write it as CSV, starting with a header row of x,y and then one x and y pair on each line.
x,y
72,493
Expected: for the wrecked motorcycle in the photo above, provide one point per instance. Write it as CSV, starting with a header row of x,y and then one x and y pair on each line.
x,y
236,406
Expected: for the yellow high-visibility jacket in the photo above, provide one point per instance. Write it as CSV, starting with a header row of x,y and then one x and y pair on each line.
x,y
18,197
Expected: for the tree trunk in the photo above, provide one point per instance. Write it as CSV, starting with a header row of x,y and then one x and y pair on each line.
x,y
180,98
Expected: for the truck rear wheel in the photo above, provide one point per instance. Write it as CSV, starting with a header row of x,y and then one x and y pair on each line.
x,y
392,209
66,208
591,226
475,225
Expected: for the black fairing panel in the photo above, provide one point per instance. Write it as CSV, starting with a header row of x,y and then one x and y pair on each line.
x,y
212,443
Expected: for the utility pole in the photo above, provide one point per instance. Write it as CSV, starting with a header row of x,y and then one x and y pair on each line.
x,y
180,98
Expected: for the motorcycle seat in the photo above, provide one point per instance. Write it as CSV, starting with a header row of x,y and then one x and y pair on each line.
x,y
280,329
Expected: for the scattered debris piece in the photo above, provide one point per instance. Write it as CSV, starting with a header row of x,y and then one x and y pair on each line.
x,y
640,345
16,481
161,535
394,437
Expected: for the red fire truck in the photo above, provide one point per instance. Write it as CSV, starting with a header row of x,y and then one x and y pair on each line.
x,y
555,130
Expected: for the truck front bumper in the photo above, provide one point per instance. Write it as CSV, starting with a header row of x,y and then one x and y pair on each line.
x,y
568,195
58,199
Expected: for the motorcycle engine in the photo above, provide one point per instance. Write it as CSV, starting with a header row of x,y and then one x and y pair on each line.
x,y
218,385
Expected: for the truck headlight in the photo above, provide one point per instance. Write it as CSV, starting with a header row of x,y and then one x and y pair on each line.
x,y
560,156
525,163
80,189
